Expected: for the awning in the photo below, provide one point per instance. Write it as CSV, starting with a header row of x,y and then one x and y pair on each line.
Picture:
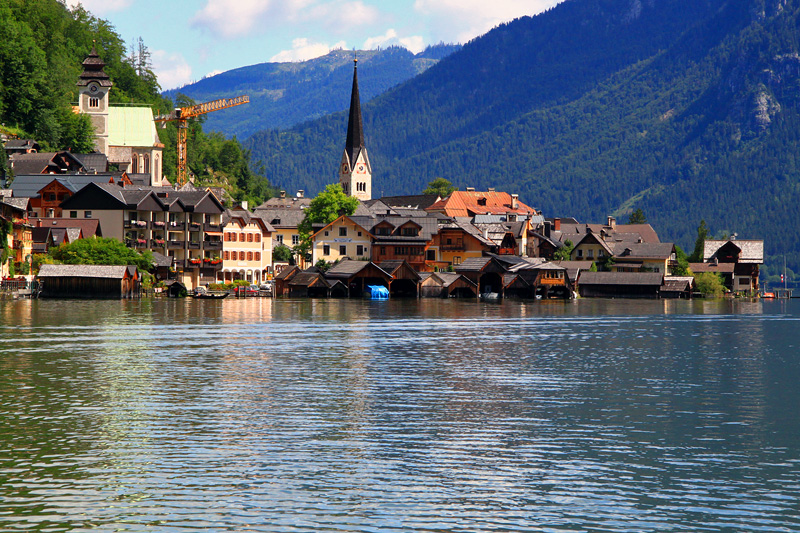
x,y
214,233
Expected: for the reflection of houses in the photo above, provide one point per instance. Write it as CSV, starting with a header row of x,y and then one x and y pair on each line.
x,y
183,225
89,281
737,261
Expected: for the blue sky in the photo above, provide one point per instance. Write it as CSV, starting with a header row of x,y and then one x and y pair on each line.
x,y
190,39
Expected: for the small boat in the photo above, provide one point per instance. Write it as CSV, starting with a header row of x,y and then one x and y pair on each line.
x,y
206,295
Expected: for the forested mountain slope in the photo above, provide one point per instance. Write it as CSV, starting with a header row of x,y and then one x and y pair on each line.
x,y
285,94
685,108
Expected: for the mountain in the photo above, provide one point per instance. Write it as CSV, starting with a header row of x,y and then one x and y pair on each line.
x,y
285,94
687,109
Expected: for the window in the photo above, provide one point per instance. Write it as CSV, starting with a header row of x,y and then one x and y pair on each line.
x,y
94,101
73,214
51,197
257,237
226,256
146,165
249,256
431,255
279,238
383,250
590,254
249,237
342,232
134,164
326,233
295,240
457,260
342,249
410,232
359,250
87,214
359,234
580,253
257,256
241,237
326,249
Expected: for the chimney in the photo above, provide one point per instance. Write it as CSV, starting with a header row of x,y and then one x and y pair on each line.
x,y
283,194
485,233
612,222
244,205
470,189
491,189
556,224
514,201
301,193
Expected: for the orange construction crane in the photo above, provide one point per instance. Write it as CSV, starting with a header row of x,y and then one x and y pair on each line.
x,y
182,114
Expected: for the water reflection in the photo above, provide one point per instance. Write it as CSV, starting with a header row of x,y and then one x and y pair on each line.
x,y
431,415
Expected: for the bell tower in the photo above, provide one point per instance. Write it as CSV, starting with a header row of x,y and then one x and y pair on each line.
x,y
355,172
93,86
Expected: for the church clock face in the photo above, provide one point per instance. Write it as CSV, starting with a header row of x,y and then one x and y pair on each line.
x,y
360,169
93,88
344,168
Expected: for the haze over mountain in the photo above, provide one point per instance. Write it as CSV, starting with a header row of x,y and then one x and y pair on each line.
x,y
685,108
285,94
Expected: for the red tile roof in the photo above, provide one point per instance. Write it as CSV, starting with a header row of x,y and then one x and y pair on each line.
x,y
465,204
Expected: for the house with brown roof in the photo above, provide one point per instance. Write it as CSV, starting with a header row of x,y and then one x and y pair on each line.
x,y
89,281
737,260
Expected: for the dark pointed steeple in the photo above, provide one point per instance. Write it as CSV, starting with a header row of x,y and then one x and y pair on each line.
x,y
355,125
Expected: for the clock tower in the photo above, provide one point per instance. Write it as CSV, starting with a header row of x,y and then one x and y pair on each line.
x,y
93,87
355,172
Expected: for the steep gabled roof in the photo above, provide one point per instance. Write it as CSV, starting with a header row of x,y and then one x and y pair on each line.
x,y
752,251
355,125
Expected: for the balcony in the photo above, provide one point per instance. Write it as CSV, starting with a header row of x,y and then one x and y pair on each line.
x,y
212,245
216,264
212,227
454,247
158,224
157,243
176,226
176,245
136,224
195,226
194,263
193,245
137,244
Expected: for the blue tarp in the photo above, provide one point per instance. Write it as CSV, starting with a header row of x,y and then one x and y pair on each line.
x,y
377,292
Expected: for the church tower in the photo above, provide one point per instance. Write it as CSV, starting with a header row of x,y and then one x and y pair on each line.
x,y
355,172
94,85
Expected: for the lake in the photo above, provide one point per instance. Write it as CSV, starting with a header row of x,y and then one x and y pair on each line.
x,y
399,416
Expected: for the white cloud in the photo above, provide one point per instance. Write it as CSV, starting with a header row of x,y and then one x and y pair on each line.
x,y
238,18
303,50
100,7
462,20
171,68
414,43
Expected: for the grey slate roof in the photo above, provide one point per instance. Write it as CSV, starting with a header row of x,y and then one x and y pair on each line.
x,y
473,264
20,204
349,268
662,250
281,217
94,162
752,250
418,201
83,271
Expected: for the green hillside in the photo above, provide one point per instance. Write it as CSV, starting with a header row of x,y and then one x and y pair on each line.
x,y
285,94
686,109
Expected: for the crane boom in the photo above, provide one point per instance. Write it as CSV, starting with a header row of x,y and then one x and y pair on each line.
x,y
182,114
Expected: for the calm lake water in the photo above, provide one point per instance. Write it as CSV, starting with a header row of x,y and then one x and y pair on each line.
x,y
399,416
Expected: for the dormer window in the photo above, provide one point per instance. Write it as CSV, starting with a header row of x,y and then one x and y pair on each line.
x,y
481,201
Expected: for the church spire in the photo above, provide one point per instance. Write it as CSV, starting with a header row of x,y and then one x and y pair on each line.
x,y
355,125
355,173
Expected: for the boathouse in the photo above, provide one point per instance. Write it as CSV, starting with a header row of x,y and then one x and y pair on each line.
x,y
89,281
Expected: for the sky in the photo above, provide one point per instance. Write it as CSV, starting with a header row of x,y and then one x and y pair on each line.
x,y
192,39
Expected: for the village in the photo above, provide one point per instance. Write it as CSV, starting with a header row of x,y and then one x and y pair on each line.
x,y
468,243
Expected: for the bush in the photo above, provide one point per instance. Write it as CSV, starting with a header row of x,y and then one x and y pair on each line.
x,y
710,284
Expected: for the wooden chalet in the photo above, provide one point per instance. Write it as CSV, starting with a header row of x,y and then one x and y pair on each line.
x,y
89,281
313,284
405,280
547,280
446,285
678,287
744,255
485,272
620,284
357,275
281,281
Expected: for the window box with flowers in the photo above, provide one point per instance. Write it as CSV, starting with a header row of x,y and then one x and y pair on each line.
x,y
158,242
140,223
141,241
195,261
158,223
